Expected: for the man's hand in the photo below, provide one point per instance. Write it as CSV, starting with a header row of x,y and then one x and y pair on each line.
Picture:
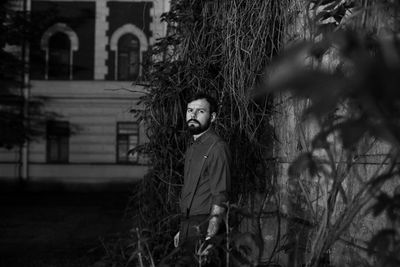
x,y
205,250
176,240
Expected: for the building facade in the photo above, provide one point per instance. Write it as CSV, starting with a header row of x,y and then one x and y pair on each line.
x,y
84,59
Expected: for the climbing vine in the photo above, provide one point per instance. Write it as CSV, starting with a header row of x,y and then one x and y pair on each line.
x,y
218,47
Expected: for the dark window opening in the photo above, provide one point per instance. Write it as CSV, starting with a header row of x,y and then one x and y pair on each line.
x,y
59,57
128,57
127,139
58,133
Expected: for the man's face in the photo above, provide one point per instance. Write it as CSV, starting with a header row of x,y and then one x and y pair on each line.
x,y
198,117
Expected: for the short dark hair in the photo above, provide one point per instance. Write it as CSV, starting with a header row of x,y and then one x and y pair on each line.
x,y
211,100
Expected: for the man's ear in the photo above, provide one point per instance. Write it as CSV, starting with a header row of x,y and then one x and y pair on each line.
x,y
213,116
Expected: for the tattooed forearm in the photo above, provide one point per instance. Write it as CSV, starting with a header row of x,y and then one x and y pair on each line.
x,y
216,218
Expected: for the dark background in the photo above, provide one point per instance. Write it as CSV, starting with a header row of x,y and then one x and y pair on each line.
x,y
59,227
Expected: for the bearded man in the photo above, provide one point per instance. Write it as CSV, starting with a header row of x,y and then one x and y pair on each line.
x,y
206,182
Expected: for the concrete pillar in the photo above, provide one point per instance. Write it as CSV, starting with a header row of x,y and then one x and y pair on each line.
x,y
101,40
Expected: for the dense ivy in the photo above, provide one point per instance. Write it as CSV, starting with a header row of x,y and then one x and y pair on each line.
x,y
219,47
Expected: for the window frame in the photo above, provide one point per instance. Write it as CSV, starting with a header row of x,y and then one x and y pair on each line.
x,y
143,46
117,139
74,45
62,141
118,61
49,62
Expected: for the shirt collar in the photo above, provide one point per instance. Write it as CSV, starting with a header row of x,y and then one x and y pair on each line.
x,y
202,137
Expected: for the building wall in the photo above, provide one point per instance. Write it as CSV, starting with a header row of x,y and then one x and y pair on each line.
x,y
80,17
93,109
125,14
91,99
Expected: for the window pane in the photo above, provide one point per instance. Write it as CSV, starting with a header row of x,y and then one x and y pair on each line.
x,y
60,41
133,141
123,63
127,128
127,139
57,141
128,57
59,56
122,148
128,42
64,149
53,150
134,64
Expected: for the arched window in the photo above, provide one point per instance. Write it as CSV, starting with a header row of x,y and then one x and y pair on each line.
x,y
128,57
59,43
59,56
128,43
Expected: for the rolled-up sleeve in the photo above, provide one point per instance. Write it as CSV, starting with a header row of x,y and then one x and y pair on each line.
x,y
220,174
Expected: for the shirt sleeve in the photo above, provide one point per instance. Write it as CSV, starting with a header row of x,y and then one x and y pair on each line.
x,y
220,174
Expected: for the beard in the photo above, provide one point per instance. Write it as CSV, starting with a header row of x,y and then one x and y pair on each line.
x,y
197,127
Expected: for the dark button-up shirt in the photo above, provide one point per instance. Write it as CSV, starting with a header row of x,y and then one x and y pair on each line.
x,y
213,177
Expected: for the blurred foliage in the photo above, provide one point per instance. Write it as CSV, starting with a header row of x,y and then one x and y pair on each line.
x,y
346,70
11,102
16,127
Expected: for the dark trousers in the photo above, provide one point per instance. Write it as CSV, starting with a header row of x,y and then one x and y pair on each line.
x,y
191,232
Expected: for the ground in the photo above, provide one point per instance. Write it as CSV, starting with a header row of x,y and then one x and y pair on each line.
x,y
59,228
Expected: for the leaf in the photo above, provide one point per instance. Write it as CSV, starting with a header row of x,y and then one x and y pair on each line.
x,y
349,4
382,242
318,49
320,140
380,205
323,15
393,211
247,247
351,132
303,162
326,28
339,13
331,6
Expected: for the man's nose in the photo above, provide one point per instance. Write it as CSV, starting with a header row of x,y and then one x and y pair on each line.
x,y
193,115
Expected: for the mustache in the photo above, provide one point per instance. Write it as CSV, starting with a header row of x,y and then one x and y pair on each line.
x,y
193,120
